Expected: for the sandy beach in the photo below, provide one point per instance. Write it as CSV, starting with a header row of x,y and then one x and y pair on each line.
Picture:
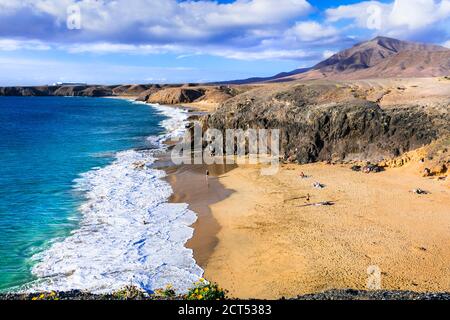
x,y
259,237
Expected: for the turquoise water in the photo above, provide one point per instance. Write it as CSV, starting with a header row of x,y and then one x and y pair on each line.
x,y
45,143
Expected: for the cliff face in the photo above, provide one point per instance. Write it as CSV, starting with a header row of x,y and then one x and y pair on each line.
x,y
189,94
176,95
328,123
71,91
162,94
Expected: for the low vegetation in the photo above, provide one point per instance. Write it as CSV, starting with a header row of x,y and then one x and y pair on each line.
x,y
202,290
206,291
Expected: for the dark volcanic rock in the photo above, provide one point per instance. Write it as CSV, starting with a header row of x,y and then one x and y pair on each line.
x,y
71,91
25,91
97,92
343,295
313,129
83,91
374,295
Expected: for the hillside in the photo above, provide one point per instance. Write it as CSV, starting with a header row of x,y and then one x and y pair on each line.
x,y
380,57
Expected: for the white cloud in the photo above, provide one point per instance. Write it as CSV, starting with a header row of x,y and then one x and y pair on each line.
x,y
243,29
149,19
446,44
417,14
328,53
105,47
13,45
240,28
311,31
261,55
396,18
247,12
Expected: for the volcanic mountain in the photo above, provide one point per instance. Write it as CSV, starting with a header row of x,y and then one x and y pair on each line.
x,y
381,57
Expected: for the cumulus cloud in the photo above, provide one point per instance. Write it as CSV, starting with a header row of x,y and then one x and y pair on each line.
x,y
156,20
400,18
242,29
311,31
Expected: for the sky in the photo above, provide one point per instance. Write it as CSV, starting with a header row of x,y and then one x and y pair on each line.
x,y
170,41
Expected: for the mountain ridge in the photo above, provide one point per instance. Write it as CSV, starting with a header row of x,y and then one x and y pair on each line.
x,y
379,57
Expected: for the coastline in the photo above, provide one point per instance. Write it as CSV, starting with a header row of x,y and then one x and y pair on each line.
x,y
270,245
190,186
128,194
242,242
255,237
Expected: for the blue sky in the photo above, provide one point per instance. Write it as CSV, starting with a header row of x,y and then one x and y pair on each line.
x,y
145,41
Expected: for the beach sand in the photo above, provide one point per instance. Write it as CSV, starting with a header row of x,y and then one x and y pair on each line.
x,y
191,186
256,238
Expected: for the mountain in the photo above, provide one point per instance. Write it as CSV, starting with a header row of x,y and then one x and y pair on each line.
x,y
281,75
369,54
380,57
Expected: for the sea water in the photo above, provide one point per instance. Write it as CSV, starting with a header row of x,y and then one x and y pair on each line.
x,y
80,205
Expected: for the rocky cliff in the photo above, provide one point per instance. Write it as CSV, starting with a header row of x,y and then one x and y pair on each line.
x,y
329,122
163,94
72,91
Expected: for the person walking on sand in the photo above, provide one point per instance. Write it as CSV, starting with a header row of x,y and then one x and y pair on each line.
x,y
207,176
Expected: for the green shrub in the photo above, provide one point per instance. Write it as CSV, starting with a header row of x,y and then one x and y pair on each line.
x,y
204,290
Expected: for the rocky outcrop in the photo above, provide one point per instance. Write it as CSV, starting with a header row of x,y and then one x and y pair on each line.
x,y
26,91
133,90
190,94
176,96
145,95
68,91
152,93
83,91
326,123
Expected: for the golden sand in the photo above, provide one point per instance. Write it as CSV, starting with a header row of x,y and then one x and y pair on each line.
x,y
263,242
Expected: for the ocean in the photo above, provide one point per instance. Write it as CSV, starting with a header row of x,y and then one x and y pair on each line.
x,y
81,206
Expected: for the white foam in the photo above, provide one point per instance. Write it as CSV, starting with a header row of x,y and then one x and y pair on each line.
x,y
128,234
175,124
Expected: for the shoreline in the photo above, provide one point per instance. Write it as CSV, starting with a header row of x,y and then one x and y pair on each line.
x,y
252,238
273,244
206,193
270,244
242,242
142,207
